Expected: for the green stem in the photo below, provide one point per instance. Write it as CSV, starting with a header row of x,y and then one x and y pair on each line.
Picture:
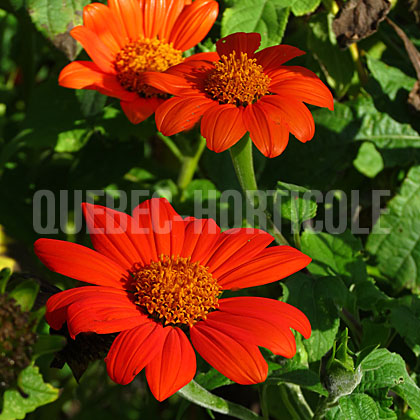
x,y
294,415
189,165
171,146
296,393
262,392
241,154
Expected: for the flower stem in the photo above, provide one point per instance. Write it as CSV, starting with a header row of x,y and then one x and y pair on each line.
x,y
171,146
189,165
241,154
262,392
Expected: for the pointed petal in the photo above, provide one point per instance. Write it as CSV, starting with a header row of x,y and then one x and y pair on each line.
x,y
173,368
173,10
96,49
272,264
80,263
180,114
274,311
204,56
222,126
302,84
110,233
275,56
257,331
104,313
237,360
133,349
194,23
269,137
129,16
99,18
57,304
87,75
140,109
236,247
200,237
239,42
161,228
154,12
294,114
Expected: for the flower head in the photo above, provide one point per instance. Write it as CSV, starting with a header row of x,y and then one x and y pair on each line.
x,y
157,277
238,90
126,38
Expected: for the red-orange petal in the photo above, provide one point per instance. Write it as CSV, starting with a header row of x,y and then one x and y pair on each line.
x,y
161,227
133,349
272,264
57,304
111,234
96,49
257,331
194,23
140,109
87,75
99,18
201,236
130,17
80,263
169,83
269,137
104,314
239,42
275,56
237,360
154,12
179,114
274,311
291,112
235,247
173,10
172,368
301,83
222,126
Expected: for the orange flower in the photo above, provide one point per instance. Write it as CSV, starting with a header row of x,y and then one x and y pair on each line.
x,y
128,37
159,276
237,90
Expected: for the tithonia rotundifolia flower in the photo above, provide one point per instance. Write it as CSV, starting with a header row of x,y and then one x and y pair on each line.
x,y
158,281
238,90
126,38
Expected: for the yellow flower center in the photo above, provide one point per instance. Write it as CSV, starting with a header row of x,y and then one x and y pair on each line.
x,y
238,81
144,55
176,291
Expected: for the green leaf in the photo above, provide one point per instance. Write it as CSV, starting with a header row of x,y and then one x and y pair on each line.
x,y
309,295
359,407
166,188
338,255
397,142
336,64
198,395
25,294
395,239
369,161
91,102
47,344
390,78
369,296
38,393
199,190
212,379
303,7
55,19
294,203
267,17
5,274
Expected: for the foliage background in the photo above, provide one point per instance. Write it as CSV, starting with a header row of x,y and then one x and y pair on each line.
x,y
57,139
